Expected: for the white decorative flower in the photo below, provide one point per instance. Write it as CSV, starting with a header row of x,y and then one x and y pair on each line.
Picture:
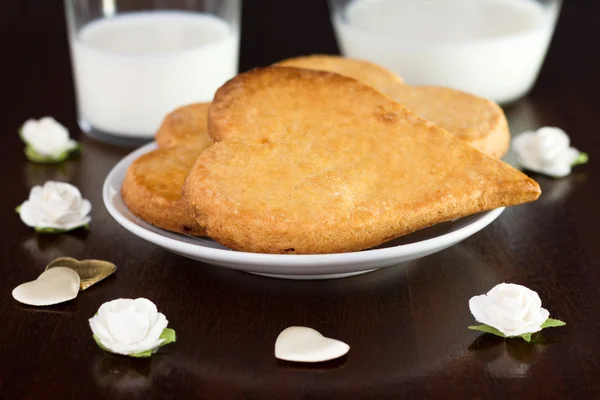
x,y
510,310
547,151
46,140
131,327
55,207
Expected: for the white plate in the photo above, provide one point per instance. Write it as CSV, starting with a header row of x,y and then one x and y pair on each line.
x,y
314,266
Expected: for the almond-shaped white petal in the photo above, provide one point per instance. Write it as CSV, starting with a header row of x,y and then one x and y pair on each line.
x,y
134,348
527,151
63,188
30,214
69,217
537,317
556,170
559,137
550,145
28,130
55,134
116,305
477,306
71,144
65,191
127,327
46,211
112,306
144,305
535,325
35,137
75,224
522,141
160,323
100,331
54,203
85,209
152,339
36,195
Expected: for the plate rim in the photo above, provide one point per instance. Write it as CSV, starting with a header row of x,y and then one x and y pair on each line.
x,y
233,256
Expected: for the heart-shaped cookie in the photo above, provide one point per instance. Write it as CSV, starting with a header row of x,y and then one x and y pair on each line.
x,y
310,162
53,286
302,344
153,185
89,271
477,121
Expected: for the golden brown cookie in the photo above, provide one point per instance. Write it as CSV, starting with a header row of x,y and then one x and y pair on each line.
x,y
186,124
366,72
314,162
152,188
478,121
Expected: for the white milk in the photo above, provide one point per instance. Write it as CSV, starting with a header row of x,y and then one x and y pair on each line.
x,y
132,69
492,48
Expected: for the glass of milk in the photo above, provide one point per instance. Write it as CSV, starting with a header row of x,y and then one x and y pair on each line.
x,y
492,48
134,61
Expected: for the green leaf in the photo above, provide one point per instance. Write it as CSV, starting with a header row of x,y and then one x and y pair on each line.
x,y
168,335
552,323
43,229
34,156
143,354
494,331
97,340
581,159
486,329
549,323
18,210
526,337
137,355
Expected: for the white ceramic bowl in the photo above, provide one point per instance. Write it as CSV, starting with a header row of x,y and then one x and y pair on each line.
x,y
491,48
314,266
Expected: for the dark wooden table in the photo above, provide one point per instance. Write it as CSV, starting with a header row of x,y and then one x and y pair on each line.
x,y
407,325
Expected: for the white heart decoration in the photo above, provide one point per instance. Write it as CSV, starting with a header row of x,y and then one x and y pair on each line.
x,y
53,286
302,344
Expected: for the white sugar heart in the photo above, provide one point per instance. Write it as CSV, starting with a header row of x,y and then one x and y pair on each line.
x,y
53,286
302,344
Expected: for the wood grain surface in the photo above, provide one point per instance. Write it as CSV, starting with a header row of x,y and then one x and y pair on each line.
x,y
406,325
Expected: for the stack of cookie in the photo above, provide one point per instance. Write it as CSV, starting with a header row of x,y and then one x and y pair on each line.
x,y
323,154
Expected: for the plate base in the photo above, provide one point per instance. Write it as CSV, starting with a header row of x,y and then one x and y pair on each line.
x,y
313,277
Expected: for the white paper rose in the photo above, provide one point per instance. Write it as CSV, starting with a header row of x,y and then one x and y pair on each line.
x,y
510,310
47,140
55,207
547,151
131,327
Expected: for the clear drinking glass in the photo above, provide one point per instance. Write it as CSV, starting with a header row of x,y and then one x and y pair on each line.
x,y
134,61
492,48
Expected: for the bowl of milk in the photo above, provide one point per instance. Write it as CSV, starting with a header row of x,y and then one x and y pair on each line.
x,y
491,48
